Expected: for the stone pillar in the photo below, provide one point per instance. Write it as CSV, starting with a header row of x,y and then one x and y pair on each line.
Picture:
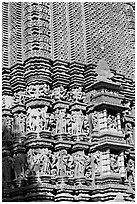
x,y
105,119
121,164
118,122
108,161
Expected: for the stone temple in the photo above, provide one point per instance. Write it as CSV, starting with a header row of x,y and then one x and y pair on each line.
x,y
68,101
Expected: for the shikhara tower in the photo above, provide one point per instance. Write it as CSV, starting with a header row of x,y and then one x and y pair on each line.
x,y
68,101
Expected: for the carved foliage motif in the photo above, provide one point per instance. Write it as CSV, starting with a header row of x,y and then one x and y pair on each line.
x,y
59,93
36,91
77,95
19,98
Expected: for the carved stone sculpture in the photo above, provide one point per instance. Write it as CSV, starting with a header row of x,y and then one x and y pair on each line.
x,y
19,98
129,133
7,101
130,169
19,122
97,161
19,166
37,119
7,167
114,166
59,93
36,91
7,127
39,161
77,120
79,164
77,95
112,122
60,116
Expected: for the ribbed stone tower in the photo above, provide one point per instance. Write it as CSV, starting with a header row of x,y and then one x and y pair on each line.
x,y
68,101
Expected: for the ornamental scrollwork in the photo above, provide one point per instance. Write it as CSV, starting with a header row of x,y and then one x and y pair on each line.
x,y
59,93
36,91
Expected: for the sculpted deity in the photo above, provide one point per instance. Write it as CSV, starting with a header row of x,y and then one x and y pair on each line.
x,y
97,160
36,119
7,126
114,163
7,101
46,164
19,122
7,167
130,169
86,125
39,161
111,122
44,118
19,165
60,117
77,120
88,167
61,163
79,163
93,121
129,133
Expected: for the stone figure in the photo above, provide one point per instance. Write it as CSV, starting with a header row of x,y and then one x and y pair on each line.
x,y
7,127
112,122
79,163
61,163
19,165
88,168
60,116
86,125
7,167
77,120
46,89
103,71
70,166
130,169
114,166
7,101
19,122
46,164
33,119
44,118
93,121
97,161
129,133
30,91
39,161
